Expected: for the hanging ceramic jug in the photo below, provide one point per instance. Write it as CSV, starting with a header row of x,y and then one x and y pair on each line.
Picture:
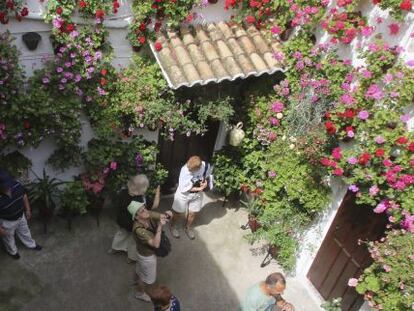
x,y
236,135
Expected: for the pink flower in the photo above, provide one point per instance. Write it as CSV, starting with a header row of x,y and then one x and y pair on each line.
x,y
277,107
408,223
374,92
352,160
363,115
353,188
394,28
410,63
373,47
366,73
274,121
276,30
381,207
347,99
387,163
337,153
388,78
279,56
271,174
379,140
352,282
350,134
113,165
387,268
405,118
367,31
373,190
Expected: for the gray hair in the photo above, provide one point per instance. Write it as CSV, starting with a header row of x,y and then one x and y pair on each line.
x,y
138,184
274,278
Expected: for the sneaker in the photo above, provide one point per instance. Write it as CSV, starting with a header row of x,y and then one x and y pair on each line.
x,y
111,251
129,260
174,232
15,256
143,297
37,248
190,233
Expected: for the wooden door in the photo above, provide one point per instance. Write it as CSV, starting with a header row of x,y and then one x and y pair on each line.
x,y
340,257
174,154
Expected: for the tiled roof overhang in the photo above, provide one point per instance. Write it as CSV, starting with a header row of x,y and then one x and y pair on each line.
x,y
214,53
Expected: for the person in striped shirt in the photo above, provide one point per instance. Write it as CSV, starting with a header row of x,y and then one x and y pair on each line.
x,y
14,212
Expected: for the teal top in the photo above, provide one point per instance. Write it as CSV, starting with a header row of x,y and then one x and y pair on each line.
x,y
255,300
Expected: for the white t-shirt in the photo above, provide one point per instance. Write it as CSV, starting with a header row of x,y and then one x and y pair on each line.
x,y
184,181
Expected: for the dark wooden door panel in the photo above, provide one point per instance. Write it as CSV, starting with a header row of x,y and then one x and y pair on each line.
x,y
340,256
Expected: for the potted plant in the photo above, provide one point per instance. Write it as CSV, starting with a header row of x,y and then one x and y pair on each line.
x,y
252,204
93,185
332,304
73,201
17,164
42,195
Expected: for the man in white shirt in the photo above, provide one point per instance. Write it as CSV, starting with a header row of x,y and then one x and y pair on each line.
x,y
188,197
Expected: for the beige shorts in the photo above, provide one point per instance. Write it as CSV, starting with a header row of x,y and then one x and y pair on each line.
x,y
191,202
146,268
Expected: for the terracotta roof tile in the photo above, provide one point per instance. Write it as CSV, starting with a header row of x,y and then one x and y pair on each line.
x,y
215,52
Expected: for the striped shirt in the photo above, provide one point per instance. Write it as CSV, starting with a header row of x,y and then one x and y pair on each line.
x,y
12,208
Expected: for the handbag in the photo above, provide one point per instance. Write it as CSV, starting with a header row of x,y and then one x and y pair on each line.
x,y
165,245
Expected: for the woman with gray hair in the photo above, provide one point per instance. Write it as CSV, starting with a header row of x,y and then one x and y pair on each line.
x,y
123,240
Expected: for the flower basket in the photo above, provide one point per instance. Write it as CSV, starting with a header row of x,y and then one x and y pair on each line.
x,y
253,223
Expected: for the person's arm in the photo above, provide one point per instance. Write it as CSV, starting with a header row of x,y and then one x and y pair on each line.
x,y
156,240
27,208
203,186
157,197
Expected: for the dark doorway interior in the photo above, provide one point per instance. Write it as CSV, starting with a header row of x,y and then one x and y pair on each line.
x,y
340,257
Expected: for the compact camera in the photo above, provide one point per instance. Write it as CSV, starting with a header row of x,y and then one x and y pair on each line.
x,y
196,182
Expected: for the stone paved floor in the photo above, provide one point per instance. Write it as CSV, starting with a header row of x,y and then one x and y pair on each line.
x,y
74,271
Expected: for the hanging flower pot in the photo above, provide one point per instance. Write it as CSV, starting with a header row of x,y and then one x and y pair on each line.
x,y
31,39
253,223
212,1
236,135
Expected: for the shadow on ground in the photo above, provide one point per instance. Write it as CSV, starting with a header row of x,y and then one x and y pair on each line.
x,y
74,271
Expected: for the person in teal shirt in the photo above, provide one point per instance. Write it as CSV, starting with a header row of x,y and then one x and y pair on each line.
x,y
264,295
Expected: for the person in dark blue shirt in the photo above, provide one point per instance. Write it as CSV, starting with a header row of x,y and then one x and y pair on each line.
x,y
163,300
14,212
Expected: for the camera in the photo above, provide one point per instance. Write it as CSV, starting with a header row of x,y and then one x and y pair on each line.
x,y
167,216
196,182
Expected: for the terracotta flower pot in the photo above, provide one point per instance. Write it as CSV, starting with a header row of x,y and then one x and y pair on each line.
x,y
253,223
212,1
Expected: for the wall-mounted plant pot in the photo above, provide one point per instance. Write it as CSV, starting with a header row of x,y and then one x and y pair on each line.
x,y
31,39
212,1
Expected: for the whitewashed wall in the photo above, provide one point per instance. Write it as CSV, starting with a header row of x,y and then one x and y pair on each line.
x,y
315,235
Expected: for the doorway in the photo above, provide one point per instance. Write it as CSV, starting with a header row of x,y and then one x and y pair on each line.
x,y
174,154
341,257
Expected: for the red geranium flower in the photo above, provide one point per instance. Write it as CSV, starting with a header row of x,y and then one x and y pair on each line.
x,y
338,171
24,12
411,147
379,152
59,10
158,46
142,27
100,13
26,124
69,27
82,4
376,1
141,39
349,113
325,161
402,140
250,19
364,158
104,72
406,5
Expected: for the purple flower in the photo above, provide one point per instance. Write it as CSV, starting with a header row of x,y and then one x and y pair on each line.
x,y
353,188
279,56
88,98
45,80
388,78
68,64
68,75
98,55
366,74
79,92
61,87
101,91
394,94
350,134
57,22
379,140
90,69
352,160
78,77
63,80
276,30
59,69
363,115
72,55
410,63
74,34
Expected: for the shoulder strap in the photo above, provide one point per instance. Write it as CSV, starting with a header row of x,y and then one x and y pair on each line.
x,y
207,165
